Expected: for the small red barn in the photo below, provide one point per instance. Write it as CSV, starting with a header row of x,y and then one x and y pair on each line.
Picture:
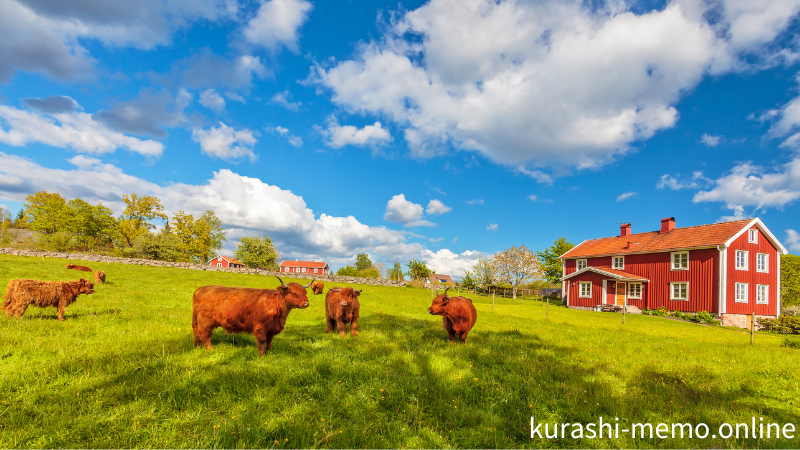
x,y
312,267
226,261
730,269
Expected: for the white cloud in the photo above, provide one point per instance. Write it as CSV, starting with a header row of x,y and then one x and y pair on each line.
x,y
749,185
149,113
709,140
674,182
400,210
436,240
225,142
454,240
212,100
277,24
492,227
436,207
532,198
371,135
626,196
295,141
508,79
792,240
282,98
477,201
446,262
235,97
75,130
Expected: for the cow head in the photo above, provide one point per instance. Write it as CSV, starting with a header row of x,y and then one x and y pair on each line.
x,y
294,294
87,287
70,266
347,296
317,287
439,303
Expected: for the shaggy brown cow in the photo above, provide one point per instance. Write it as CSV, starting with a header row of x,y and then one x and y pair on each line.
x,y
261,312
99,276
341,308
81,268
317,287
22,293
459,315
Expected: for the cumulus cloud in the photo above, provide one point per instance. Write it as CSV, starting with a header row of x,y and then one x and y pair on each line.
x,y
792,240
277,23
371,135
492,227
626,196
295,141
400,210
477,201
212,100
148,114
53,104
709,140
753,186
447,262
435,240
675,183
282,99
225,142
436,207
508,79
75,130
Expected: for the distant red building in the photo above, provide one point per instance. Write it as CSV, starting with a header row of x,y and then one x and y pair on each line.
x,y
731,269
226,261
312,267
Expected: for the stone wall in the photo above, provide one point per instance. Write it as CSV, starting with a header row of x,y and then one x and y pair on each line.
x,y
740,320
210,268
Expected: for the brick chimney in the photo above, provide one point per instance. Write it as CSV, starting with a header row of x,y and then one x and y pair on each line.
x,y
625,230
667,224
629,246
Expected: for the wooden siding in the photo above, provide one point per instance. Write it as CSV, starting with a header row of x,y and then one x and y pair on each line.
x,y
752,277
574,289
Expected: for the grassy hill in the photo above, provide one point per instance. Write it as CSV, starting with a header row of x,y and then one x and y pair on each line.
x,y
122,371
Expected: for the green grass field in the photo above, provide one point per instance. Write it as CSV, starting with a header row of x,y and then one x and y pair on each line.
x,y
122,371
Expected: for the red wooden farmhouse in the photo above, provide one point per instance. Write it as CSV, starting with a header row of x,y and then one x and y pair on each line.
x,y
226,261
313,267
729,269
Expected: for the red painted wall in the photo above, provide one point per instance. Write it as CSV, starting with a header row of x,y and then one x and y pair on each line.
x,y
597,289
752,277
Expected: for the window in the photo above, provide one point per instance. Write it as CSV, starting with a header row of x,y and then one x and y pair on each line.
x,y
762,293
581,264
634,290
586,289
741,292
219,264
762,262
752,236
680,261
680,291
303,270
618,262
741,259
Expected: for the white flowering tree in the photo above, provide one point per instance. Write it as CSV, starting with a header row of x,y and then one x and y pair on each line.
x,y
516,266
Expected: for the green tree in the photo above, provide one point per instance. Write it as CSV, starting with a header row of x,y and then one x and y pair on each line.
x,y
139,211
46,213
396,272
370,272
163,246
551,265
255,252
5,224
347,271
363,262
790,280
216,234
515,266
468,281
20,221
418,270
483,273
91,225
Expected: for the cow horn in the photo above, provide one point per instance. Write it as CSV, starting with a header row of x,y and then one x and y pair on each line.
x,y
309,284
445,291
437,292
358,291
279,279
335,289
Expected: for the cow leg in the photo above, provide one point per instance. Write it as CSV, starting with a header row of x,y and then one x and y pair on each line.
x,y
261,337
329,324
448,325
269,341
342,327
464,337
62,308
354,326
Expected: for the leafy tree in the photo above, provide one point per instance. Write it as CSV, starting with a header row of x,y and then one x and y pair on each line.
x,y
515,266
162,247
363,262
469,282
216,234
255,252
5,223
790,280
347,271
135,219
483,272
370,272
91,225
551,265
46,212
418,270
20,221
200,238
396,272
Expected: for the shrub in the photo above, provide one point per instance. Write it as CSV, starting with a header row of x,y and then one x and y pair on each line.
x,y
59,242
791,343
661,311
706,318
793,310
369,273
418,283
782,325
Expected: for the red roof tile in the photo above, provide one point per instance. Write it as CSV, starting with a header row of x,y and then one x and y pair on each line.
x,y
654,241
618,273
307,264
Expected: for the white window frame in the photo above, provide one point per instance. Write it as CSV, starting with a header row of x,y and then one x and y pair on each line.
x,y
672,291
752,236
614,260
581,284
744,290
745,260
766,262
578,264
672,260
219,264
762,300
635,295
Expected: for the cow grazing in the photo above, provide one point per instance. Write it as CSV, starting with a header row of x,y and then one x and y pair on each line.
x,y
99,276
458,315
261,312
76,267
22,293
341,308
317,287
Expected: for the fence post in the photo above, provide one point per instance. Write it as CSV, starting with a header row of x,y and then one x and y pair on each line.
x,y
547,310
752,326
492,301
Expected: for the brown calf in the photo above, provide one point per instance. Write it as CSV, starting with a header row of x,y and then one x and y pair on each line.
x,y
99,276
260,312
22,293
317,287
458,315
81,268
341,308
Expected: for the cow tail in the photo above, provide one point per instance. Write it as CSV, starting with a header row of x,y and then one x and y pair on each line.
x,y
9,295
194,320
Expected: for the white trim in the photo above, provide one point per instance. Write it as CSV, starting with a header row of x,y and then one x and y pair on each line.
x,y
672,260
613,261
580,289
746,292
634,283
564,256
778,289
646,252
766,296
746,266
585,262
605,292
766,262
672,291
752,236
768,234
723,281
603,272
564,290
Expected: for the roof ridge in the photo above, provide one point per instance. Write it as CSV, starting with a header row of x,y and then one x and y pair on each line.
x,y
681,228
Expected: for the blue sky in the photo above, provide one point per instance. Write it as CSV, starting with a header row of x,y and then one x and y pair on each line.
x,y
443,130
